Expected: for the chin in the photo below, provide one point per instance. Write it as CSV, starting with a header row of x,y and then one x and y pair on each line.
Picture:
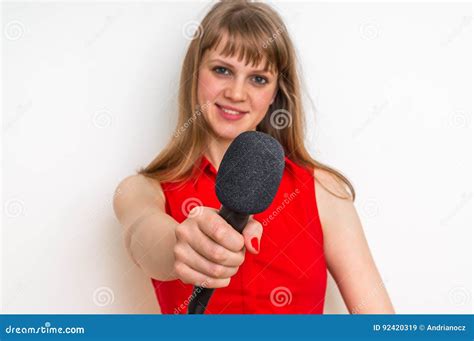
x,y
229,130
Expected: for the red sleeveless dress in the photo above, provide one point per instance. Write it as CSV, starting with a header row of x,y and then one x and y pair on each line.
x,y
289,274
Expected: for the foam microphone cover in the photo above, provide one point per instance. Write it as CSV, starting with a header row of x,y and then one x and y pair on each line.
x,y
250,173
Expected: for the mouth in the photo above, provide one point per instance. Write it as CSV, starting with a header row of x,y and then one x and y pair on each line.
x,y
230,113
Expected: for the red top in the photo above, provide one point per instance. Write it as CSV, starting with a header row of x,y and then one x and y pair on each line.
x,y
288,276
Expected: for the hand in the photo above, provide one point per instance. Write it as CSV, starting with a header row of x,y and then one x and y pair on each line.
x,y
208,251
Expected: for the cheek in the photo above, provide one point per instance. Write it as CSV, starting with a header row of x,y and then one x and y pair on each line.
x,y
262,100
208,88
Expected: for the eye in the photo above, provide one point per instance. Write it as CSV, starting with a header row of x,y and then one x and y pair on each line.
x,y
221,70
260,80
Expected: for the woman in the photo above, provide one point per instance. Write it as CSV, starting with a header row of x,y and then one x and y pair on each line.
x,y
239,74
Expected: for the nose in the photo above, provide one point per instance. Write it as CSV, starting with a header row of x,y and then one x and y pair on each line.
x,y
236,90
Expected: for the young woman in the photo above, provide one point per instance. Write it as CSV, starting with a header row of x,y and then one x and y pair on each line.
x,y
240,74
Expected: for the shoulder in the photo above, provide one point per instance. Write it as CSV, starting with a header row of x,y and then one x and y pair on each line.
x,y
329,184
333,198
136,192
139,184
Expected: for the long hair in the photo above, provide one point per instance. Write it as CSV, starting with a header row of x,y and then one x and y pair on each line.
x,y
254,31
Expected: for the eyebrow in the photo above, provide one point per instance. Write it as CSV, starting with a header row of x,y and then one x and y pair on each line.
x,y
231,66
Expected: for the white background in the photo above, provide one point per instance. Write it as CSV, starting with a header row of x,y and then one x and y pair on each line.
x,y
89,96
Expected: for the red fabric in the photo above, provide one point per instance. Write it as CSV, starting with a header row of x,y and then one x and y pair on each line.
x,y
289,274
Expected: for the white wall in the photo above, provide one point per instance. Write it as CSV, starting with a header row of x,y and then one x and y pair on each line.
x,y
88,97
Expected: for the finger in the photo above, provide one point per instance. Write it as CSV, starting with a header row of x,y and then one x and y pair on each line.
x,y
214,252
187,255
252,234
216,228
190,276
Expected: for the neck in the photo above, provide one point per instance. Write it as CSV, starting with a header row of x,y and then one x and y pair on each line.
x,y
215,150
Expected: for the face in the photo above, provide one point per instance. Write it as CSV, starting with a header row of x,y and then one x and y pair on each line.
x,y
235,97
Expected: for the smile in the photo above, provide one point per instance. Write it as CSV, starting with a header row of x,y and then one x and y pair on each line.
x,y
230,113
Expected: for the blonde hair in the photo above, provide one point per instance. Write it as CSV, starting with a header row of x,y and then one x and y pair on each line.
x,y
254,31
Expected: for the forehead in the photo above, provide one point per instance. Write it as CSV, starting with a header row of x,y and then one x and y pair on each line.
x,y
239,56
234,61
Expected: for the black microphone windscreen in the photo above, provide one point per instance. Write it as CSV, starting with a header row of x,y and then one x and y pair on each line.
x,y
250,173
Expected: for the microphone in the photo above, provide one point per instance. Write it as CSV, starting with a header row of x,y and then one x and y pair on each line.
x,y
246,183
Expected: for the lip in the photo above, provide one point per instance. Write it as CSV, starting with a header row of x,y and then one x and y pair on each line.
x,y
227,116
231,108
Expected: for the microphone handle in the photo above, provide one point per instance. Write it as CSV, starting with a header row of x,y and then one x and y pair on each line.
x,y
201,295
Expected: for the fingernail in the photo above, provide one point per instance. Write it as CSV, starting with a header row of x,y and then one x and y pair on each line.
x,y
255,243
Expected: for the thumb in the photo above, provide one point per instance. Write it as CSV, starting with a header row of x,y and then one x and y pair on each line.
x,y
252,235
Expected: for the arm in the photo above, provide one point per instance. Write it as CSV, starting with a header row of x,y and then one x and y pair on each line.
x,y
346,250
149,233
